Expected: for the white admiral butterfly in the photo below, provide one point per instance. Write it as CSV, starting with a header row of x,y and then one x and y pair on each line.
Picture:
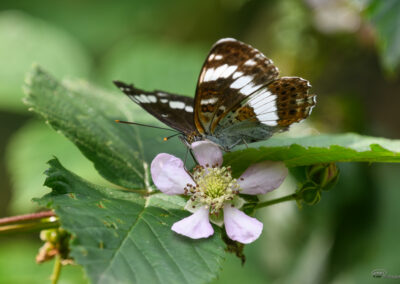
x,y
239,99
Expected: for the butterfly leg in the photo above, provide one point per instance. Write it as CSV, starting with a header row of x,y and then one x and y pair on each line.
x,y
184,161
245,143
228,148
188,150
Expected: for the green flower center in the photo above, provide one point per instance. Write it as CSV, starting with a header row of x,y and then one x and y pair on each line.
x,y
214,187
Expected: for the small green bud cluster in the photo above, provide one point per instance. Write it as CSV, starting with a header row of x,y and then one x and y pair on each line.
x,y
320,177
56,242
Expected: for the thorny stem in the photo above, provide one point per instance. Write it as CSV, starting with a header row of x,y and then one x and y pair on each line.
x,y
289,197
56,270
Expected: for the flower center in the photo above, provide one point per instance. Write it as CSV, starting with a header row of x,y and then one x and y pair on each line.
x,y
214,187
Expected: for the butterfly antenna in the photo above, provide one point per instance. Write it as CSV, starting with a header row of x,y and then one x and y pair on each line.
x,y
169,137
152,126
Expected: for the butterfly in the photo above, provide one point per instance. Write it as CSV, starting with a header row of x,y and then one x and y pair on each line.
x,y
239,99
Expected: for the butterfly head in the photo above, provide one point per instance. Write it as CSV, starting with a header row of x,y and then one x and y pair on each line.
x,y
189,138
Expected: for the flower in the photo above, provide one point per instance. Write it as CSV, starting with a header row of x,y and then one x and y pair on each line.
x,y
214,193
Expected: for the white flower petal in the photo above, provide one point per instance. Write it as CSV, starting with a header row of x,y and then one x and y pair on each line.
x,y
207,152
196,226
169,175
240,227
262,177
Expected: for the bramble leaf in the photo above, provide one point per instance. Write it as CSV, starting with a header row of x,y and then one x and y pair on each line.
x,y
85,115
124,237
317,149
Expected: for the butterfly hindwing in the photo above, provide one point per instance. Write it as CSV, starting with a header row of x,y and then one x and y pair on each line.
x,y
232,71
240,98
174,110
293,102
271,109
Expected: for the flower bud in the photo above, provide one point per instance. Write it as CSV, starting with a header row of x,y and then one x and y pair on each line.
x,y
50,235
311,195
323,175
308,193
56,242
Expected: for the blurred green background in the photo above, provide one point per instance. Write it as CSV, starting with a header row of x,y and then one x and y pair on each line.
x,y
348,49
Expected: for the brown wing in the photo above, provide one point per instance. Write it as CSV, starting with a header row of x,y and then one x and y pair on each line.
x,y
176,111
232,71
293,103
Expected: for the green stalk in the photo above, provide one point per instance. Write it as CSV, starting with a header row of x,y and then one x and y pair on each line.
x,y
56,270
29,222
289,197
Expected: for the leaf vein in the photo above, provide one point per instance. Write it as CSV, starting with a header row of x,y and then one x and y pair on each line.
x,y
167,251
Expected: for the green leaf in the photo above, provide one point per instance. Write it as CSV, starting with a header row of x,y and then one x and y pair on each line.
x,y
123,237
317,149
85,115
26,156
385,16
25,40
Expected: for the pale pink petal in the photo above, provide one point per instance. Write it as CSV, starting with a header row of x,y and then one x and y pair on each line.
x,y
207,152
196,226
262,177
169,174
240,227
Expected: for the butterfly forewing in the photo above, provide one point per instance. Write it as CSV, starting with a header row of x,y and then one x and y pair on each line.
x,y
232,71
174,110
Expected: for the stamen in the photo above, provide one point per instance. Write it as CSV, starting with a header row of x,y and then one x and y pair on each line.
x,y
214,186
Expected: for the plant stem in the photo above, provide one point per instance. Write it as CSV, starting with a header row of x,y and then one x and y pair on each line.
x,y
26,217
56,270
289,197
28,227
29,222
